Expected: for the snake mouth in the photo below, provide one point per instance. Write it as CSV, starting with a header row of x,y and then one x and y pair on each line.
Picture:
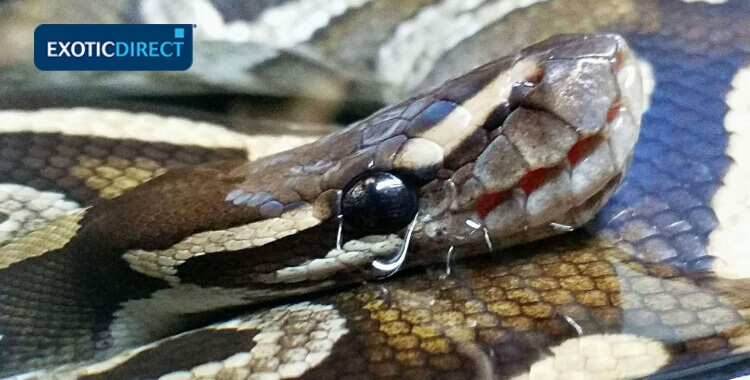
x,y
585,108
570,128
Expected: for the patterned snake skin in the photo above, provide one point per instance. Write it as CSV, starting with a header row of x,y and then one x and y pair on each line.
x,y
193,264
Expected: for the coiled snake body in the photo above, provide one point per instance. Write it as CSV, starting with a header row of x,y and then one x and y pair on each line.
x,y
184,231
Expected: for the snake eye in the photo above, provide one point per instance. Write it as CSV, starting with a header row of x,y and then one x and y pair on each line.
x,y
378,201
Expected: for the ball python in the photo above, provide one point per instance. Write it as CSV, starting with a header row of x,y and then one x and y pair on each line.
x,y
140,246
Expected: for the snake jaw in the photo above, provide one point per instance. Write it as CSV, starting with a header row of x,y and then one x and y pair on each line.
x,y
558,154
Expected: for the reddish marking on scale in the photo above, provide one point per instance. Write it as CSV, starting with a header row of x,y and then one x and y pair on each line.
x,y
536,76
619,59
614,110
489,201
535,178
582,149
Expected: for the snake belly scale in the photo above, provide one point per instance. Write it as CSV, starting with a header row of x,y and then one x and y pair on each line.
x,y
139,246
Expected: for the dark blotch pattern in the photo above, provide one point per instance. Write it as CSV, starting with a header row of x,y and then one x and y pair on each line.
x,y
514,310
86,168
190,350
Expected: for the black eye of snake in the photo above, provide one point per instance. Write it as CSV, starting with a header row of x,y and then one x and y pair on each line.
x,y
378,201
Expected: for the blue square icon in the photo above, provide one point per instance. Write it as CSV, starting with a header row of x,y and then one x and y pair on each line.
x,y
179,33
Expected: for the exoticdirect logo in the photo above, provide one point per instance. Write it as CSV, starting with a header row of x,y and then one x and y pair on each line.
x,y
113,47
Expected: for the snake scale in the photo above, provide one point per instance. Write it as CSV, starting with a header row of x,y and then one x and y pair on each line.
x,y
428,240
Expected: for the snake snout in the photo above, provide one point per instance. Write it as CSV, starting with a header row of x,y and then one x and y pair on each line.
x,y
557,143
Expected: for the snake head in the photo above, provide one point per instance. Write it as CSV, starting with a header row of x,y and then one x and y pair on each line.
x,y
522,148
533,146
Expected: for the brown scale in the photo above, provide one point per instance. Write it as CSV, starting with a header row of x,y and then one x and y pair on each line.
x,y
86,168
195,348
428,326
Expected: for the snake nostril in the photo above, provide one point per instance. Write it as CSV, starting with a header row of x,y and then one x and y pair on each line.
x,y
537,76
